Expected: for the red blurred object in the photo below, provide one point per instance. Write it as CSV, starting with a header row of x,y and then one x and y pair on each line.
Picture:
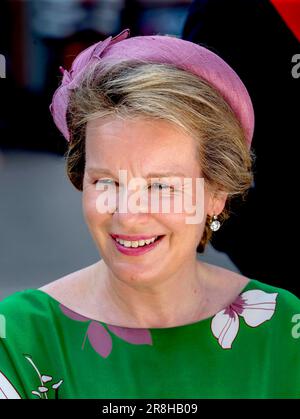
x,y
289,10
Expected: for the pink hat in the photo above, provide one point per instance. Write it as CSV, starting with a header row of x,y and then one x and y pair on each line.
x,y
161,49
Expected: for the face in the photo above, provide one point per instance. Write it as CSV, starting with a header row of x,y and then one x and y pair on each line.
x,y
143,148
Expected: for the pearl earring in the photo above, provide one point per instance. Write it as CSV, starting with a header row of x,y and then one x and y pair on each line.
x,y
215,223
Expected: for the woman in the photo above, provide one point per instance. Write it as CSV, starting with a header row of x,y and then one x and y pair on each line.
x,y
148,320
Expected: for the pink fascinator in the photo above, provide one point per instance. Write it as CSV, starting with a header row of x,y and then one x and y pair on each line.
x,y
161,49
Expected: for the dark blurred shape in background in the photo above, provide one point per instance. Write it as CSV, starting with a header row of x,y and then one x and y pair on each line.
x,y
258,39
37,36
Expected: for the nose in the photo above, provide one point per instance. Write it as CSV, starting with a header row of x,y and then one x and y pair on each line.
x,y
132,209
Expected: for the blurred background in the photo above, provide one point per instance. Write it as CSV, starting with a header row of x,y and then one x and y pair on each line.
x,y
42,232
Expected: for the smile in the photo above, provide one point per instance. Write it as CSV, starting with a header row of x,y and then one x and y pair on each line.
x,y
136,243
137,247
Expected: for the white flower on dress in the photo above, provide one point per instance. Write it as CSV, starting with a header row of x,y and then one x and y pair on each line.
x,y
7,390
42,389
255,306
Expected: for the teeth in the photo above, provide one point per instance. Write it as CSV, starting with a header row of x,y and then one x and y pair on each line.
x,y
136,243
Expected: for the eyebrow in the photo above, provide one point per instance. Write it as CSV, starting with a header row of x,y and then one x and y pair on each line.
x,y
98,171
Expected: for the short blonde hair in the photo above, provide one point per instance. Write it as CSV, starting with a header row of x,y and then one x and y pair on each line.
x,y
165,92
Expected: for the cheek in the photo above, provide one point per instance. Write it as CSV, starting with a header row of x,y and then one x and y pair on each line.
x,y
89,207
180,231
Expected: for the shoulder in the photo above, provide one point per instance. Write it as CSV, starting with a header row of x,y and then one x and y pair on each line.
x,y
287,302
17,300
278,309
282,305
278,312
70,288
33,310
26,333
23,306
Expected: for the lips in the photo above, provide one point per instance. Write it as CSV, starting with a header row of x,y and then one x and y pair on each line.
x,y
134,238
136,251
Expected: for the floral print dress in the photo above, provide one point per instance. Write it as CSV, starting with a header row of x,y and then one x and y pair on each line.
x,y
250,349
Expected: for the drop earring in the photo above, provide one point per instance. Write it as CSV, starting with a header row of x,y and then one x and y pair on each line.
x,y
214,223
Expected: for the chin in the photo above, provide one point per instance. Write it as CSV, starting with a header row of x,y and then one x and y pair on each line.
x,y
134,273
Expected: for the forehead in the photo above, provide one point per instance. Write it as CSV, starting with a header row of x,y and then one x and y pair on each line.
x,y
142,141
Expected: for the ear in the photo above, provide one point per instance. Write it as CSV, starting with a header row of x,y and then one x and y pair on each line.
x,y
216,203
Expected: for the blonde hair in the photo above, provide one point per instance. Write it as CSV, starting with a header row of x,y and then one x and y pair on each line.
x,y
165,92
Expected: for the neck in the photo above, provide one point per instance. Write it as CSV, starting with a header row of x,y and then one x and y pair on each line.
x,y
179,299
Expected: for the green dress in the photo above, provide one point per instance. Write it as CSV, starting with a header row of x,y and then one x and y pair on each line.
x,y
251,349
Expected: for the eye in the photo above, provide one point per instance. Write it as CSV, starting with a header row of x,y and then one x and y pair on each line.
x,y
108,181
105,181
161,186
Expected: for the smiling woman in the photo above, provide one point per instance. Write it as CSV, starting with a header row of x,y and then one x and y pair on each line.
x,y
148,320
157,147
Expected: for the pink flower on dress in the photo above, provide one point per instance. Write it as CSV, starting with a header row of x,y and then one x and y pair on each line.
x,y
255,306
99,337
